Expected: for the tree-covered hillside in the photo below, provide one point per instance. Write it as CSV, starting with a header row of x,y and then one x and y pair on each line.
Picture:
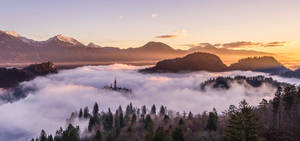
x,y
274,120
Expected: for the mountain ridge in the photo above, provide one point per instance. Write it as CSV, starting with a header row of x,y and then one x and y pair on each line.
x,y
209,62
63,49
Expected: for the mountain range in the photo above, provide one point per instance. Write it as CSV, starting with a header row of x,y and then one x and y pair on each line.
x,y
63,49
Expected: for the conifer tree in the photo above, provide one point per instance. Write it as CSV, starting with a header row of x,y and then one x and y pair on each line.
x,y
162,111
133,120
80,113
50,138
148,123
71,133
43,136
212,121
144,110
96,109
86,113
242,124
190,116
153,110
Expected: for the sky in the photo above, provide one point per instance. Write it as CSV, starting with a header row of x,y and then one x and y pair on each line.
x,y
132,23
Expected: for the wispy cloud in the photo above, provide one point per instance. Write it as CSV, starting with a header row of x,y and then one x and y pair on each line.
x,y
240,44
166,36
198,45
275,44
175,34
153,15
249,44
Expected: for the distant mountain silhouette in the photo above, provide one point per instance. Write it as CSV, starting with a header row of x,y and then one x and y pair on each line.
x,y
18,49
209,62
295,74
192,62
12,77
261,64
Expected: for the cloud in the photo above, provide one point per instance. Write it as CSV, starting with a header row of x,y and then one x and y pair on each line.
x,y
199,45
57,95
175,34
154,15
275,44
243,44
166,36
240,44
121,17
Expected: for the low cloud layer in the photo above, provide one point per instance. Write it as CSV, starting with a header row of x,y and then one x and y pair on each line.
x,y
56,96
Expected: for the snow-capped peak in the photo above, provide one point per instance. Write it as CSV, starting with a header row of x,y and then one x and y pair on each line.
x,y
12,33
67,39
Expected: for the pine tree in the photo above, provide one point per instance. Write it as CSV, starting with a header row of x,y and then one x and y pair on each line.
x,y
80,113
242,124
71,133
50,138
181,122
144,110
95,110
212,121
153,110
86,113
108,120
276,105
190,116
92,123
162,111
148,123
133,120
288,97
43,136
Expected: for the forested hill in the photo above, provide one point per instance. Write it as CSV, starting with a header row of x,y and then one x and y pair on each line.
x,y
274,120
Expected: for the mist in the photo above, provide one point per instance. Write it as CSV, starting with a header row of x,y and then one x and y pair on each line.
x,y
56,96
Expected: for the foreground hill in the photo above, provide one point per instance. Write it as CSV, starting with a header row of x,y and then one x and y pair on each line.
x,y
12,77
261,64
192,62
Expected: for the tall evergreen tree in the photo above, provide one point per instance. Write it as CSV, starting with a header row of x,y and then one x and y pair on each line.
x,y
43,136
80,115
212,121
153,109
95,109
148,123
86,113
242,124
162,111
144,110
71,133
50,138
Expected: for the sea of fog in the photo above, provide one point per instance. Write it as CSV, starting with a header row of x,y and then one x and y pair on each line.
x,y
56,96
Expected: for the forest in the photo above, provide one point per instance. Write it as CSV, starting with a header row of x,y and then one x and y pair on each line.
x,y
273,120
